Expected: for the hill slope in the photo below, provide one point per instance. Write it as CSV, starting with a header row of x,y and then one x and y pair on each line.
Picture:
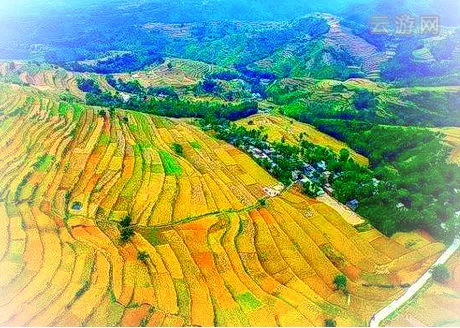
x,y
213,254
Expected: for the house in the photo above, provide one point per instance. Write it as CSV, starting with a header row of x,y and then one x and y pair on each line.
x,y
296,175
268,151
308,169
125,96
328,190
321,165
265,81
353,204
304,180
401,206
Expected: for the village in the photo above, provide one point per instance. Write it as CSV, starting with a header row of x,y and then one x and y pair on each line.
x,y
314,173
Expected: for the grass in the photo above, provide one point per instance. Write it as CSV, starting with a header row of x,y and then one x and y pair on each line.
x,y
43,163
195,145
171,166
248,301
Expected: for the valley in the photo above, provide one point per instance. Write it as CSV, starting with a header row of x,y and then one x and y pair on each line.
x,y
237,163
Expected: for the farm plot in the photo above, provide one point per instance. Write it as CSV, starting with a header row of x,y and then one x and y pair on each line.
x,y
278,127
436,305
128,219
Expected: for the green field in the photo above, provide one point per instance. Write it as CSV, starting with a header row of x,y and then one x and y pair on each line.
x,y
170,164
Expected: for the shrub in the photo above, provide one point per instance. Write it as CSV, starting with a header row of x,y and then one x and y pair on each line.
x,y
82,290
340,282
262,202
330,323
440,273
178,149
142,256
364,99
88,85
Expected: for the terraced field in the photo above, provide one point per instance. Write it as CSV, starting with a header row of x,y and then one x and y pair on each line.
x,y
212,254
181,73
50,79
278,127
174,72
453,139
436,305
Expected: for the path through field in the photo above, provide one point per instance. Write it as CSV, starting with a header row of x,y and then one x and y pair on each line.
x,y
413,290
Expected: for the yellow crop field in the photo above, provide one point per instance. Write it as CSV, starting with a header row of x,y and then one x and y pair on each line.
x,y
202,248
436,305
452,138
278,127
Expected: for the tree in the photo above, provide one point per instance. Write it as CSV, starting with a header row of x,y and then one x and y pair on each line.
x,y
262,202
340,282
126,221
364,99
126,234
330,323
179,150
344,155
311,189
440,273
142,256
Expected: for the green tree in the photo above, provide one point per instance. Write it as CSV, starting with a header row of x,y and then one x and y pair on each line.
x,y
142,256
126,221
311,189
440,273
344,155
330,323
178,149
340,282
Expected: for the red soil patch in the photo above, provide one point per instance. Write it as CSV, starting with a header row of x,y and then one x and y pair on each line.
x,y
352,272
204,259
134,316
426,236
266,215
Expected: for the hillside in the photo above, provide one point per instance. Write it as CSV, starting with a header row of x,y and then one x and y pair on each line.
x,y
424,310
452,137
205,250
279,127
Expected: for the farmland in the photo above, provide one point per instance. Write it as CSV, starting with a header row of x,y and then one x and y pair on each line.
x,y
452,138
436,305
212,252
279,127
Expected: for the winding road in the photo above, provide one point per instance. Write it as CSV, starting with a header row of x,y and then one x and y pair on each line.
x,y
411,291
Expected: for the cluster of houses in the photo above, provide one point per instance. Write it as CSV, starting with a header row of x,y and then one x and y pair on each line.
x,y
314,172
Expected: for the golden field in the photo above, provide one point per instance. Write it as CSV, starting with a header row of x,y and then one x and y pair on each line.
x,y
69,173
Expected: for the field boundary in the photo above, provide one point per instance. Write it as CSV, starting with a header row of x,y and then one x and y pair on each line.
x,y
415,288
